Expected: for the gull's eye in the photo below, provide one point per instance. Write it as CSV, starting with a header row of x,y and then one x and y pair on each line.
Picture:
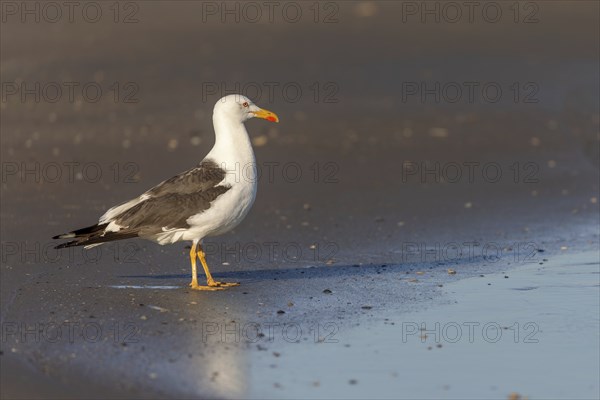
x,y
245,104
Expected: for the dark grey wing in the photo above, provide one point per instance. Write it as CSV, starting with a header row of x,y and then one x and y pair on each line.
x,y
168,211
169,204
165,206
205,176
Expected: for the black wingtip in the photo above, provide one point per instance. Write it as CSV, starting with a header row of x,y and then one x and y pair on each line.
x,y
67,244
81,232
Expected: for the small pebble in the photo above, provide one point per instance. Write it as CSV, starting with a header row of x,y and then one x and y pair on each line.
x,y
172,144
260,141
365,9
438,132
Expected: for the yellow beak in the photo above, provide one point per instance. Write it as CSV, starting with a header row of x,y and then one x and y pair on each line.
x,y
266,114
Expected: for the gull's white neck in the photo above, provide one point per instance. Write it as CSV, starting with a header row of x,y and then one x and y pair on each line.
x,y
232,144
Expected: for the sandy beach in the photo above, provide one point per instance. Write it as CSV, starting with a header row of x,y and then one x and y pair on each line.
x,y
426,224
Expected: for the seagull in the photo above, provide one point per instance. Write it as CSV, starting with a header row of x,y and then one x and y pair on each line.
x,y
205,201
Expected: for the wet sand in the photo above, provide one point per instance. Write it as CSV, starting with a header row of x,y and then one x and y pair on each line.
x,y
358,241
498,334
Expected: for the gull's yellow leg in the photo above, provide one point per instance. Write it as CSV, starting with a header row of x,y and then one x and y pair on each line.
x,y
209,279
197,251
194,283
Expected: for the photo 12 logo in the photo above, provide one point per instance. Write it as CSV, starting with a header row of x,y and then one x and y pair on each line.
x,y
454,332
253,12
70,332
471,172
52,12
519,252
274,92
69,92
273,172
68,172
46,253
254,252
471,12
469,92
269,332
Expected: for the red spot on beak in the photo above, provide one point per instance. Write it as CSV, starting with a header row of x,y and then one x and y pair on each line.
x,y
272,119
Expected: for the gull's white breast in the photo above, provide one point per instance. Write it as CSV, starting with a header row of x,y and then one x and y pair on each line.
x,y
229,209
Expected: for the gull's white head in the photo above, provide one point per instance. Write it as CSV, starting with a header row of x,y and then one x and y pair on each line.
x,y
241,108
